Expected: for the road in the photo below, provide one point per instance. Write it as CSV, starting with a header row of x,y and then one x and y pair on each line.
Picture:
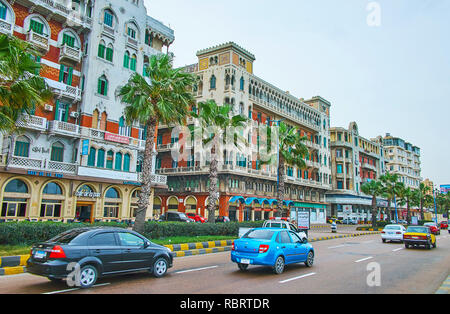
x,y
341,266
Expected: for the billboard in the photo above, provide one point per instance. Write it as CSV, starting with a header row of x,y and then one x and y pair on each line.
x,y
445,188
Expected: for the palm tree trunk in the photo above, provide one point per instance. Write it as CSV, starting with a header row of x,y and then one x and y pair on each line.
x,y
422,216
374,211
408,212
280,188
213,189
146,189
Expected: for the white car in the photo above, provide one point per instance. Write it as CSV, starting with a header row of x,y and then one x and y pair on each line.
x,y
393,233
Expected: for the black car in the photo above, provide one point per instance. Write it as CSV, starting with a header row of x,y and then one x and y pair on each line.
x,y
83,255
175,216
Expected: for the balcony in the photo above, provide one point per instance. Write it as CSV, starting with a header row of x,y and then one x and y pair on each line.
x,y
64,90
32,123
6,27
131,42
110,137
63,128
156,179
42,165
69,55
40,42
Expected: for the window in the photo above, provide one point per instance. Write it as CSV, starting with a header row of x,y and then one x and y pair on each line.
x,y
241,85
22,148
101,158
339,168
65,74
109,159
108,18
128,239
57,153
3,11
101,49
109,53
51,208
52,188
126,163
284,237
68,40
102,87
118,165
212,82
16,186
103,239
36,26
340,185
133,63
131,32
91,157
112,193
14,207
111,210
126,60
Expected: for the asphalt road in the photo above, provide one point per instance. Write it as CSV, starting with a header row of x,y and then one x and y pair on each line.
x,y
341,266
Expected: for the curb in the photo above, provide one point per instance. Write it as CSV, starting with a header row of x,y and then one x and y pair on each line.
x,y
13,265
445,288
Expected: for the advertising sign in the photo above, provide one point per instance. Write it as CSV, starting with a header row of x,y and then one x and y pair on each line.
x,y
85,148
117,138
445,188
415,220
347,209
303,220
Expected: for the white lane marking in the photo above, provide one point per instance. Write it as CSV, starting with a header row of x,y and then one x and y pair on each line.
x,y
337,246
299,277
396,250
74,289
363,259
195,269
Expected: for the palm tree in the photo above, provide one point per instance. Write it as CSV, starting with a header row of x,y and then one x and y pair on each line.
x,y
423,198
291,152
164,97
373,188
406,197
21,87
217,124
391,188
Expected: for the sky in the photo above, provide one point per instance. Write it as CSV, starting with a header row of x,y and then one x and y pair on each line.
x,y
384,64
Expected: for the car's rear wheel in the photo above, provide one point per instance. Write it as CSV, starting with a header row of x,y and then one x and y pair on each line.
x,y
160,267
407,246
384,240
243,267
310,259
88,276
278,268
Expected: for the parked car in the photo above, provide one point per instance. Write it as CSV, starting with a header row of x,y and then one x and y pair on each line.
x,y
393,233
98,252
433,227
350,221
284,224
444,225
175,216
403,222
419,235
196,218
222,219
271,247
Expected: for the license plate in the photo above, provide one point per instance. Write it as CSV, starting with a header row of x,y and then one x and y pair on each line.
x,y
415,237
390,233
40,254
245,261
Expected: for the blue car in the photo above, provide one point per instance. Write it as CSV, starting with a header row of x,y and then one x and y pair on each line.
x,y
271,247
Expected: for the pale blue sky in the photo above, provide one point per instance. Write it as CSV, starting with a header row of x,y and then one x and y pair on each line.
x,y
394,78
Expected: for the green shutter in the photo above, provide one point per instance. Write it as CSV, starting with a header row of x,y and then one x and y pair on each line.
x,y
61,72
56,109
69,81
66,115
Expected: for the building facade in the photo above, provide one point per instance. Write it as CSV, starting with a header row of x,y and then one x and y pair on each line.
x,y
247,187
75,158
355,160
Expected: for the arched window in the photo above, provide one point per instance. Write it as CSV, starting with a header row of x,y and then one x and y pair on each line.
x,y
101,158
108,18
212,82
16,186
57,153
52,188
91,157
109,159
241,86
112,193
126,60
22,148
110,53
37,25
118,165
111,208
102,87
3,11
133,63
70,40
13,206
126,162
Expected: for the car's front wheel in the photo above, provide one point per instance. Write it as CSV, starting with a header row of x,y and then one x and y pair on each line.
x,y
160,267
310,259
278,268
88,276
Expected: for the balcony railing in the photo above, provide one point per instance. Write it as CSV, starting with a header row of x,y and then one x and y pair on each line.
x,y
69,54
32,122
64,90
41,42
6,27
64,128
42,165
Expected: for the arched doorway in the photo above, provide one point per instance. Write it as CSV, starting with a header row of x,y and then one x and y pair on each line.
x,y
191,205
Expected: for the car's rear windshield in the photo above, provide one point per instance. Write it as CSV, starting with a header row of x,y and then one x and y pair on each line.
x,y
67,237
392,227
259,234
418,229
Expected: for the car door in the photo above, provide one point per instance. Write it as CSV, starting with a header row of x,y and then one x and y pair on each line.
x,y
300,249
287,246
135,254
104,246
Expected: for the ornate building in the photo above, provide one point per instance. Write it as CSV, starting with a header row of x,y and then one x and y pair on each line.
x,y
247,188
76,158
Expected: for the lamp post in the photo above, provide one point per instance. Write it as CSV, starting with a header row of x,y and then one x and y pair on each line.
x,y
435,206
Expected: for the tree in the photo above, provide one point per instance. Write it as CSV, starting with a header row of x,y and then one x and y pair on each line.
x,y
423,197
391,188
291,152
406,197
218,128
21,87
373,188
164,97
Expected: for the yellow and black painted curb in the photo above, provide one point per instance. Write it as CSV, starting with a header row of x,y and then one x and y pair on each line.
x,y
12,265
445,288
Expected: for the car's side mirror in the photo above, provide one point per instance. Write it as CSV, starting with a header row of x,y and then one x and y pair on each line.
x,y
146,244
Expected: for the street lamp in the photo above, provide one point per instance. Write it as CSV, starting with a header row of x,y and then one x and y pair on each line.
x,y
435,205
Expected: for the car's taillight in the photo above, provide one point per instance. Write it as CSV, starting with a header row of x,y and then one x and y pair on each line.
x,y
263,248
383,232
232,246
406,236
398,232
57,252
